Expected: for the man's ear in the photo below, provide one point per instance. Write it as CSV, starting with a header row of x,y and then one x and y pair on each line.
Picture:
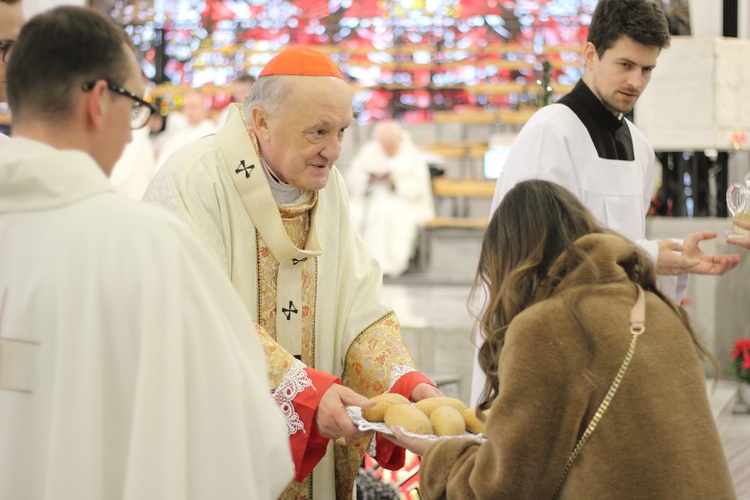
x,y
260,122
589,55
96,105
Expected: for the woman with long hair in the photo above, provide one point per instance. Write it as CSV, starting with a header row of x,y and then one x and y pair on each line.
x,y
571,365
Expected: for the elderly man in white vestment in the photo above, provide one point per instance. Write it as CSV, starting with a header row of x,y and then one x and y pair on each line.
x,y
240,90
391,195
265,197
586,144
129,368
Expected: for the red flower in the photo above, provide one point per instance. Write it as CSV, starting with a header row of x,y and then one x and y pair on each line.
x,y
741,358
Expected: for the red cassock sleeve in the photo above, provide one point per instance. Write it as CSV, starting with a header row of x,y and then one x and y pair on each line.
x,y
308,445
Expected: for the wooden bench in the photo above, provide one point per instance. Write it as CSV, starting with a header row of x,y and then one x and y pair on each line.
x,y
459,222
442,222
470,188
460,191
458,149
465,152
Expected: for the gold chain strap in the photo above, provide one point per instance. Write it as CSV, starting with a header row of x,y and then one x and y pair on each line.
x,y
636,329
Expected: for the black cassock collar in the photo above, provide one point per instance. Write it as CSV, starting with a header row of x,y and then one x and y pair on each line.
x,y
610,135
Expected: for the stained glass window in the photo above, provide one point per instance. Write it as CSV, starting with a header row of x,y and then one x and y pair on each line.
x,y
406,55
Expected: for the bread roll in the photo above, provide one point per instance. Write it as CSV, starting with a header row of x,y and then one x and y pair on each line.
x,y
383,401
428,405
473,424
447,421
408,417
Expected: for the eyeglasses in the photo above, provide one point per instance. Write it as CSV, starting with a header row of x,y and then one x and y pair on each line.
x,y
141,111
5,47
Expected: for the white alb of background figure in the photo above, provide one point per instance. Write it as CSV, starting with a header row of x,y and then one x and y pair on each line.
x,y
391,195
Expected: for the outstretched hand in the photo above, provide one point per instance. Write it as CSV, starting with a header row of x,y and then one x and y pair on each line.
x,y
331,418
707,263
677,258
671,262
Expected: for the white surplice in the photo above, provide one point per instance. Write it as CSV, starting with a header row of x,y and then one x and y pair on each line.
x,y
129,368
555,145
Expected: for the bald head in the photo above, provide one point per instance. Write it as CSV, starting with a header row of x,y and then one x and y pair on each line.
x,y
389,134
195,107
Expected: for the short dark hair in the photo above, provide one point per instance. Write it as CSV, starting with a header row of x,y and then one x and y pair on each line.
x,y
642,20
56,53
10,2
245,78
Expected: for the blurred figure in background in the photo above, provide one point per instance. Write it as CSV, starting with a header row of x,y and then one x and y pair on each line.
x,y
240,90
162,123
196,110
390,196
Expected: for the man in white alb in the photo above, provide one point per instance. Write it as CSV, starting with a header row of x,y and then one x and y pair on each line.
x,y
129,367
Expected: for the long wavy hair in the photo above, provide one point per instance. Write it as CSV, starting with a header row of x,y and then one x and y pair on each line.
x,y
536,222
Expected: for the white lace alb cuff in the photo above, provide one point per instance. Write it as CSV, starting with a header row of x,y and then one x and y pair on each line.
x,y
294,382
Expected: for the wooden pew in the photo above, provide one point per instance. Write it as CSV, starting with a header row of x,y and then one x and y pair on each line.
x,y
459,191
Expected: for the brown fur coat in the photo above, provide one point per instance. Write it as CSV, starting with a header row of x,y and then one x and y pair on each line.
x,y
657,439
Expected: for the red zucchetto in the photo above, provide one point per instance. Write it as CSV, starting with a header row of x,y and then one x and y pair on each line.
x,y
301,61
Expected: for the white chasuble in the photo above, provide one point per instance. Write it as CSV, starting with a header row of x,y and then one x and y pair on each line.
x,y
309,282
